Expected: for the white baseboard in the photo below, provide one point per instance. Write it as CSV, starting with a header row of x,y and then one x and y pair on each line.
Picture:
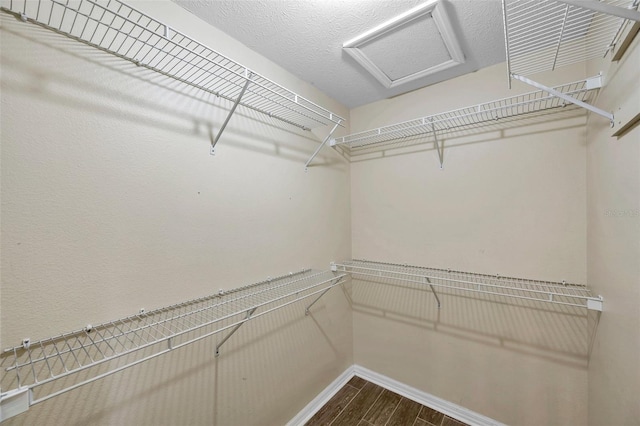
x,y
450,409
323,397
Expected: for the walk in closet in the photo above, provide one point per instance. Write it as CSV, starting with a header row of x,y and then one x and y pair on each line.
x,y
194,233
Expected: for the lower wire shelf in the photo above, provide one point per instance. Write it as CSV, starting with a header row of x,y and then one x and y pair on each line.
x,y
559,293
97,351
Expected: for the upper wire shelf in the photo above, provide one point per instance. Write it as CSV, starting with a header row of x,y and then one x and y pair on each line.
x,y
559,293
94,350
527,104
542,35
119,29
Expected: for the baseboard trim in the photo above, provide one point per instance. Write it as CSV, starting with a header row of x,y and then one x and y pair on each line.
x,y
323,397
450,409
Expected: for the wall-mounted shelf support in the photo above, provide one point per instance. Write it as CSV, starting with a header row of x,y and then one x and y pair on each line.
x,y
233,330
114,27
233,109
428,280
439,148
546,35
306,310
494,113
602,7
322,144
556,293
592,83
144,336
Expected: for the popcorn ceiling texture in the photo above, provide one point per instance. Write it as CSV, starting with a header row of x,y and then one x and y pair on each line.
x,y
306,37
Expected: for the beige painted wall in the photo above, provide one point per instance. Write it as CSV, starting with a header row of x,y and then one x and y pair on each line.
x,y
509,201
112,203
613,246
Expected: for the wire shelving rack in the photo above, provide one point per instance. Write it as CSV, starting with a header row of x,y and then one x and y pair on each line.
x,y
117,28
496,111
558,293
88,353
542,35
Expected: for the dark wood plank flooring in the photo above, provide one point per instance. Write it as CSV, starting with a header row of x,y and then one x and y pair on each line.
x,y
361,403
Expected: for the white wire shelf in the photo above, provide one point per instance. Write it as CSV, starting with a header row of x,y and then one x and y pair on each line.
x,y
148,335
500,110
114,27
559,293
542,35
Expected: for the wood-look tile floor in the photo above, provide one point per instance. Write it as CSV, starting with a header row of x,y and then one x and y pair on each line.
x,y
362,403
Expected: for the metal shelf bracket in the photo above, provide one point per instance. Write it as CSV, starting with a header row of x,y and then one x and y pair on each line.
x,y
439,147
233,330
602,7
567,97
233,109
306,310
306,166
433,290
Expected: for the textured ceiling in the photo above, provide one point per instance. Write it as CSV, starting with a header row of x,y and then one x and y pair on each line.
x,y
306,36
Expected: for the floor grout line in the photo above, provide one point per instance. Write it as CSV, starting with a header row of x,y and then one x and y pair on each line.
x,y
373,403
394,410
417,417
345,407
362,418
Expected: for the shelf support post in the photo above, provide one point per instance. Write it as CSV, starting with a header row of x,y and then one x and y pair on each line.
x,y
566,97
506,40
433,290
233,109
306,311
222,342
322,144
606,8
439,148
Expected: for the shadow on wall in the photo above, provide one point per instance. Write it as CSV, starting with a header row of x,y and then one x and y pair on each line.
x,y
254,381
538,123
562,334
85,79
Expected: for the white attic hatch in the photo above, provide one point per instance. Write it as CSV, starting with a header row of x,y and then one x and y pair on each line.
x,y
539,35
424,32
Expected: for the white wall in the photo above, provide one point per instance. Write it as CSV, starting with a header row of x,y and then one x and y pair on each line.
x,y
112,203
613,242
510,201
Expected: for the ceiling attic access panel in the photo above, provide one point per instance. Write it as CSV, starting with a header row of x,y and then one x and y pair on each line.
x,y
425,32
119,29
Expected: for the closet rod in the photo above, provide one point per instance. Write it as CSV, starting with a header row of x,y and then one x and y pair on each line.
x,y
146,335
558,293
